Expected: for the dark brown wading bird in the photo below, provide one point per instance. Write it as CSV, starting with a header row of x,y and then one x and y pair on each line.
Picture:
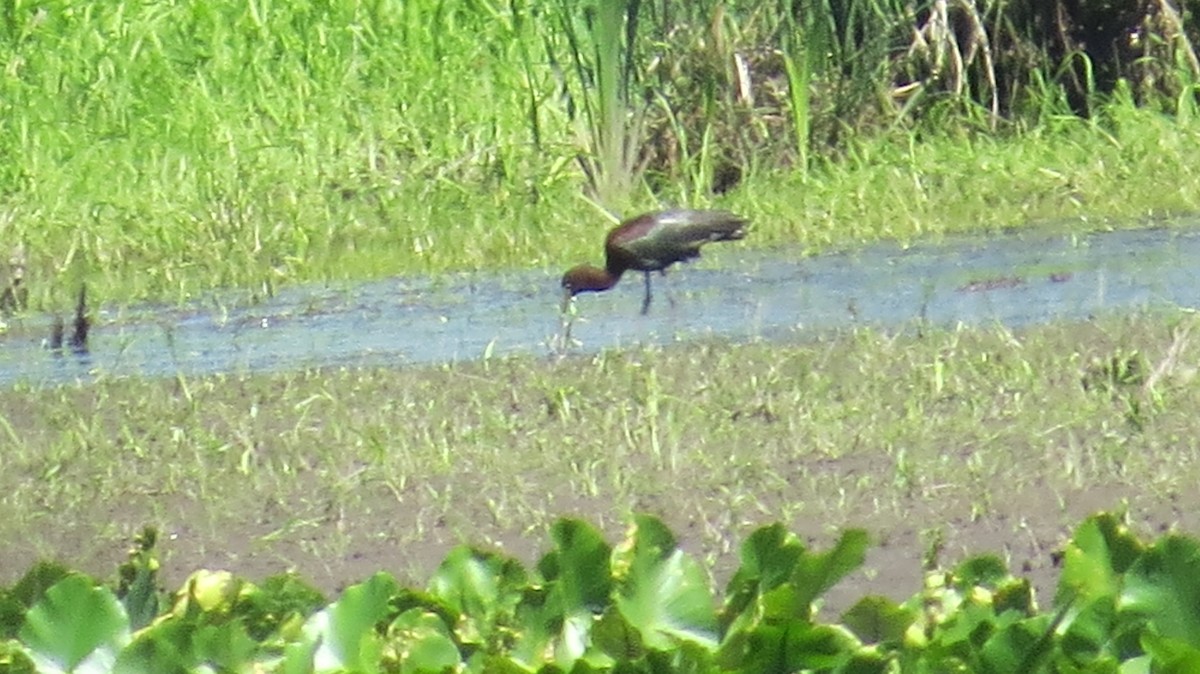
x,y
652,242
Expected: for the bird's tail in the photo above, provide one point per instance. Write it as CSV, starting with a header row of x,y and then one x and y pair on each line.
x,y
717,225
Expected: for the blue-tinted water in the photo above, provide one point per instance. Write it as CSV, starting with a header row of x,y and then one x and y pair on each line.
x,y
1014,281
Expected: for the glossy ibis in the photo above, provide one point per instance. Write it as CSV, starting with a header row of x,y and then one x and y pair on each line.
x,y
652,242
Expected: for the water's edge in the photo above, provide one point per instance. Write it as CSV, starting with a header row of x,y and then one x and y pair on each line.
x,y
1014,281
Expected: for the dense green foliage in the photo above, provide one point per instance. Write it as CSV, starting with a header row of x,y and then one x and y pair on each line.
x,y
237,141
642,606
160,149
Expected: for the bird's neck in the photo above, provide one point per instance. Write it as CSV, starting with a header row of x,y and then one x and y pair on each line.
x,y
595,279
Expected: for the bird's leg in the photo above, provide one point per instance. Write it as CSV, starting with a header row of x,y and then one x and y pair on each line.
x,y
667,289
566,321
646,301
562,340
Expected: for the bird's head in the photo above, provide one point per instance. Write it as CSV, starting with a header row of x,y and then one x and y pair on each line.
x,y
571,284
585,279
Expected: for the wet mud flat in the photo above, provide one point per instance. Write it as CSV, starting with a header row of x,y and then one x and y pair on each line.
x,y
1014,281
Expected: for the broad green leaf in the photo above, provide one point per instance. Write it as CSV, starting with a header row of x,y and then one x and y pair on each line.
x,y
482,587
1138,665
75,621
1015,594
579,577
974,622
1163,586
980,570
556,619
343,635
663,593
27,592
1095,559
207,626
615,637
278,599
152,652
578,567
1171,656
298,656
775,631
138,587
876,619
818,647
689,657
1088,633
547,637
647,537
1023,646
768,557
406,598
760,649
500,664
12,615
208,592
188,641
538,624
817,572
225,646
866,661
141,600
421,642
782,604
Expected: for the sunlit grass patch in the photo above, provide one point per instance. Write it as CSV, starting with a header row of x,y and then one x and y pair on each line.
x,y
980,427
162,151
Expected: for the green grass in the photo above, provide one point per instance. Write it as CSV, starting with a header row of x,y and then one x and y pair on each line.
x,y
160,151
1080,177
984,438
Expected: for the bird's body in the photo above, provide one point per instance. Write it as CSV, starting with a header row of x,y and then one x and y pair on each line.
x,y
652,242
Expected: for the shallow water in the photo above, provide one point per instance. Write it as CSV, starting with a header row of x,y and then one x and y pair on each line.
x,y
1014,281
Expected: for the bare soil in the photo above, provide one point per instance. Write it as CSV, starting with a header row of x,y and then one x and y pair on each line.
x,y
1026,528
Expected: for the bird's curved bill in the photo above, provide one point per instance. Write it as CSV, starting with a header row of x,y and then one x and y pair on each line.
x,y
566,300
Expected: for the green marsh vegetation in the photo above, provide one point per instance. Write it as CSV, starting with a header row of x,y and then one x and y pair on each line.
x,y
163,149
159,150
